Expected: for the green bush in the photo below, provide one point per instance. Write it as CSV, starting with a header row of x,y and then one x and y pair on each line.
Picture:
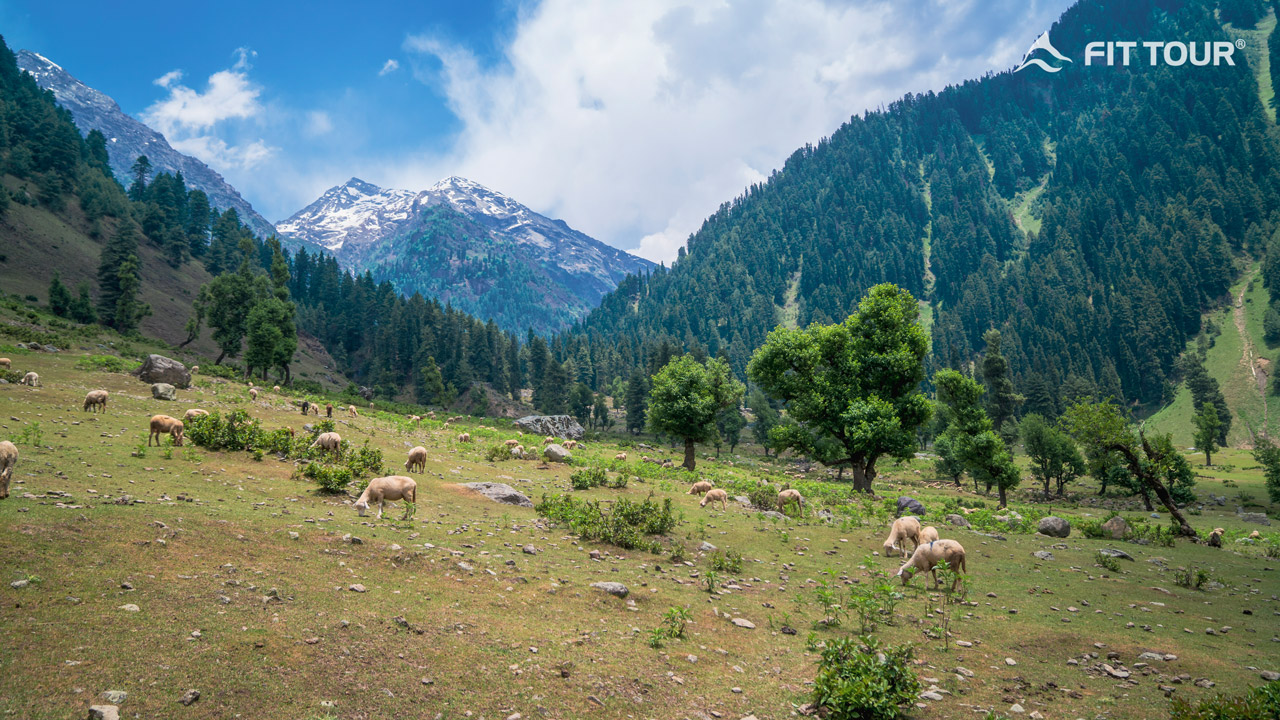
x,y
1259,702
307,387
226,372
1192,578
764,497
330,478
726,561
498,453
107,363
1107,562
627,525
860,680
587,478
235,431
365,461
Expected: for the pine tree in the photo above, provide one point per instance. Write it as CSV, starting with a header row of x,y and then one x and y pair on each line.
x,y
81,309
1002,401
59,296
141,170
129,309
637,401
122,246
600,414
433,390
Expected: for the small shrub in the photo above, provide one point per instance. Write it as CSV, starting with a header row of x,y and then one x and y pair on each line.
x,y
330,478
1107,562
107,363
854,682
587,478
678,553
726,561
710,580
31,435
1258,702
764,497
226,372
626,525
498,453
1192,578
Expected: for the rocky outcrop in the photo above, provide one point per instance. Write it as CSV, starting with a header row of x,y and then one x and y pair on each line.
x,y
160,369
561,426
500,492
557,453
906,504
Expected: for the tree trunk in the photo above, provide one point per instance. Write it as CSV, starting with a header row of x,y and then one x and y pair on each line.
x,y
220,356
1153,482
1003,501
689,459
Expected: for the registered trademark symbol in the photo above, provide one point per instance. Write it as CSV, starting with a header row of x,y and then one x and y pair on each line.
x,y
1240,44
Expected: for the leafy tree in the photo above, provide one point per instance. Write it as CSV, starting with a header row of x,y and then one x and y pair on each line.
x,y
1268,456
580,403
231,298
1204,389
729,424
1206,432
1157,465
852,389
948,464
970,439
59,296
198,309
637,401
686,398
1054,456
766,417
600,413
81,309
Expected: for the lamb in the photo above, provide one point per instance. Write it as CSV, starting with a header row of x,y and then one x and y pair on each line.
x,y
8,459
6,363
1255,535
512,443
192,414
789,495
700,487
1215,537
253,393
96,399
431,414
275,389
328,442
328,410
464,437
903,529
163,424
416,420
926,559
715,496
548,440
351,410
31,379
928,534
620,456
417,459
195,369
392,487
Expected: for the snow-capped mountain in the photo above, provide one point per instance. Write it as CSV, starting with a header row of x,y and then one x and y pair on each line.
x,y
128,138
369,228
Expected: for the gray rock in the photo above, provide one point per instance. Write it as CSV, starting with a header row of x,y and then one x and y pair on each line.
x,y
1257,518
906,503
707,547
104,712
744,623
19,584
557,453
500,492
160,369
1151,656
189,697
561,426
1054,526
958,520
1042,555
1117,527
615,589
774,514
529,550
357,587
1112,552
930,695
1219,499
115,697
163,391
1270,675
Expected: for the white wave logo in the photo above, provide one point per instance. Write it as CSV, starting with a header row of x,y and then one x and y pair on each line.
x,y
1042,43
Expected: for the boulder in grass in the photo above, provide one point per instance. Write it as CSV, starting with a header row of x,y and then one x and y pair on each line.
x,y
1054,526
906,503
561,426
557,453
163,391
615,589
160,369
500,492
1116,527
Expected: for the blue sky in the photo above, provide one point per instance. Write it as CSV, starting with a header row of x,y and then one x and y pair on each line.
x,y
630,120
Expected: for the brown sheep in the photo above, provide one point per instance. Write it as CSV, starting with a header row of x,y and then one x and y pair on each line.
x,y
512,443
290,431
788,496
570,444
926,559
1215,537
328,442
548,440
715,496
351,410
417,459
8,459
620,456
96,399
464,437
328,410
700,487
253,393
416,420
928,534
32,379
6,363
392,487
903,529
162,425
192,414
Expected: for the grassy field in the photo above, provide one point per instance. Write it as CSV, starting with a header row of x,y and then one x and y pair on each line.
x,y
242,580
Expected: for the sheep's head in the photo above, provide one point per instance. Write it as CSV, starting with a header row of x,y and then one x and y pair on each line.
x,y
361,507
905,572
890,549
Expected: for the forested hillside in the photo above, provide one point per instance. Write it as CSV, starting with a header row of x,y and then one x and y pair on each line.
x,y
1091,215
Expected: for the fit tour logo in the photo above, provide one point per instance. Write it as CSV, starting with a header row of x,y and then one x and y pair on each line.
x,y
1127,52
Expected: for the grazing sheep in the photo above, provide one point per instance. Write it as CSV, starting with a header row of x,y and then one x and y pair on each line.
x,y
548,440
351,410
620,456
1215,537
668,464
193,413
1255,535
253,393
163,424
328,442
96,399
417,459
790,495
31,379
926,559
903,529
416,420
392,487
328,410
928,534
275,388
464,437
570,444
700,487
290,431
517,452
431,414
370,406
512,443
715,496
6,363
195,369
315,409
8,459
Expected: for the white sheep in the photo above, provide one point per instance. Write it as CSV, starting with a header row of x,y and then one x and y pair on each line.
x,y
253,393
928,534
417,459
391,487
192,414
31,379
788,496
715,496
165,425
464,437
517,452
351,410
701,487
903,529
620,456
926,559
570,444
328,442
96,399
195,369
8,459
6,363
275,388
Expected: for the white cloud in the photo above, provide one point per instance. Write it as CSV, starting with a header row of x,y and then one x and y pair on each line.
x,y
317,123
389,67
634,121
195,122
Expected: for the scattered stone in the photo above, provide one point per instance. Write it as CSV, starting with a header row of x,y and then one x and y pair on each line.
x,y
616,589
557,453
357,587
1258,518
130,607
104,712
1117,527
529,550
907,503
1151,656
1119,673
1112,552
115,697
189,697
1270,675
707,547
930,695
1010,662
352,539
744,623
964,671
500,492
164,391
958,520
1054,526
19,584
1042,555
1205,683
1016,709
